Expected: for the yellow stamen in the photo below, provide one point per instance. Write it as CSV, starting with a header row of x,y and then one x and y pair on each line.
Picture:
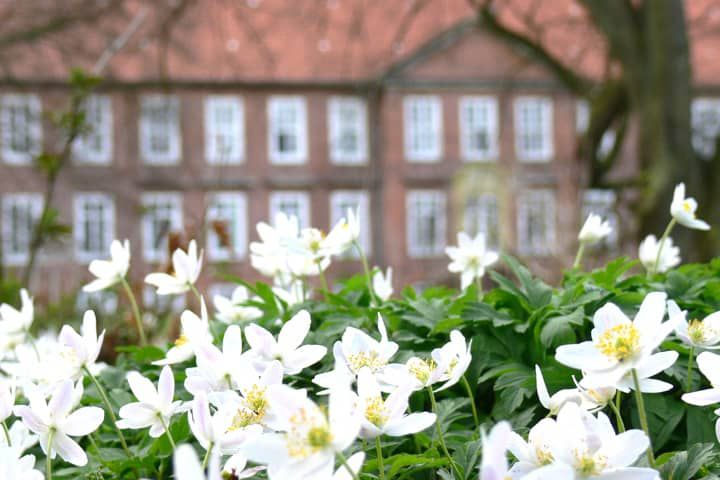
x,y
421,369
181,340
375,411
587,464
620,342
370,359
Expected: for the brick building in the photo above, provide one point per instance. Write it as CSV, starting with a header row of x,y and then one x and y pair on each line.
x,y
457,131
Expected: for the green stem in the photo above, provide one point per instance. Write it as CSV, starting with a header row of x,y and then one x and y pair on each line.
x,y
7,434
97,449
344,463
167,432
468,389
207,456
109,408
381,466
441,439
136,311
643,417
197,293
48,455
691,358
579,256
615,407
664,237
368,274
323,279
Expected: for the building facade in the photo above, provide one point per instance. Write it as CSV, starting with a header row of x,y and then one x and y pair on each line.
x,y
463,134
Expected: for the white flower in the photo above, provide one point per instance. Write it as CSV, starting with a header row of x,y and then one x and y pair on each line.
x,y
155,406
83,350
697,333
15,467
537,452
356,350
561,397
21,437
456,356
418,372
55,422
387,416
216,370
618,345
194,334
683,210
648,253
233,310
647,368
186,270
470,258
15,324
216,432
186,465
354,462
344,234
594,229
709,364
588,444
292,294
309,254
288,348
235,468
7,399
110,272
44,362
307,440
382,284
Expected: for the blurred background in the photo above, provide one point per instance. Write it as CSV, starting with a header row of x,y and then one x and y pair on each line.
x,y
162,121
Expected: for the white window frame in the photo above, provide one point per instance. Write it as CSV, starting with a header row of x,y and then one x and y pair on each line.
x,y
33,125
237,229
99,122
701,133
274,106
467,105
438,200
582,116
483,217
336,127
32,201
528,200
149,200
546,150
361,198
146,126
80,201
411,130
234,131
289,196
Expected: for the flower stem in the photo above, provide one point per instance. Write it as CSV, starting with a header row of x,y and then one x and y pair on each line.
x,y
167,432
615,407
323,279
664,237
691,358
344,463
441,439
579,256
643,417
468,388
7,434
109,408
136,311
196,292
381,467
366,269
48,455
207,456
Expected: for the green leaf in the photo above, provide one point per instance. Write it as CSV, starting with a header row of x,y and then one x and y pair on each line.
x,y
684,465
558,330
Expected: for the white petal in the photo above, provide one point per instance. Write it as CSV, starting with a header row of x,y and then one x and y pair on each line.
x,y
294,331
83,421
413,423
702,398
651,313
142,388
69,450
542,391
186,465
166,386
583,356
709,364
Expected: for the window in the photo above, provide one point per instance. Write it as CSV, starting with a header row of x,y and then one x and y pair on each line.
x,y
95,145
602,202
94,227
226,224
423,128
347,127
20,212
288,130
21,127
160,130
705,125
534,129
343,200
224,130
425,223
291,203
582,116
162,214
536,222
481,216
478,128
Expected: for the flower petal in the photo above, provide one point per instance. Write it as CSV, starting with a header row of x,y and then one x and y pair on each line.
x,y
69,450
83,421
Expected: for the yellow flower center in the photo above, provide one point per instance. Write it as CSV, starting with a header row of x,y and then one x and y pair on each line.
x,y
452,365
620,342
254,410
307,435
181,340
375,411
421,369
697,331
687,206
587,464
370,359
543,455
